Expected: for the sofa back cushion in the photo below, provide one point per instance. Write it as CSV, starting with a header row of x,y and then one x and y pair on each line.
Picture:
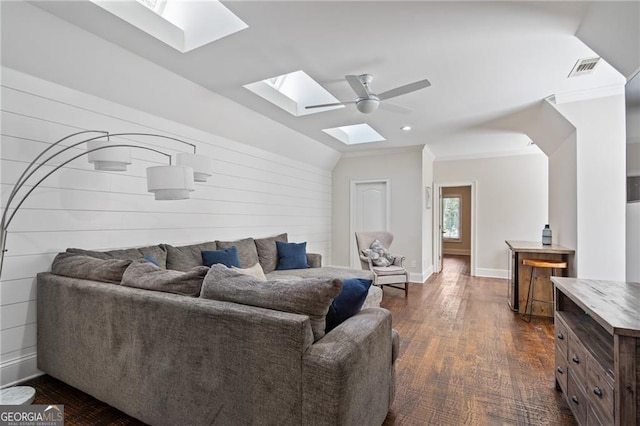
x,y
145,275
246,251
157,252
89,268
184,258
268,251
311,297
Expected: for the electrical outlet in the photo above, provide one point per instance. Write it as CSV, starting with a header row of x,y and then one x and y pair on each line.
x,y
413,264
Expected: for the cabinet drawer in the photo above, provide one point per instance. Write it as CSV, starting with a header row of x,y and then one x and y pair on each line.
x,y
561,368
562,336
600,389
577,359
577,399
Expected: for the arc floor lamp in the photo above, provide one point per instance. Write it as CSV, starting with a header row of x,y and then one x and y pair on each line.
x,y
166,182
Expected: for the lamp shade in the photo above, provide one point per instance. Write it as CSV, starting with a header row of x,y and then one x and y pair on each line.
x,y
115,159
201,164
170,182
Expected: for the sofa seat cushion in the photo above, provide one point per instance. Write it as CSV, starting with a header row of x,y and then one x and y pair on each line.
x,y
389,270
184,258
310,297
158,252
323,272
89,268
268,251
147,276
247,251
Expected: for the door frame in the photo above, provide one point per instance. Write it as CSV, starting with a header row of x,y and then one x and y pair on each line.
x,y
353,261
437,212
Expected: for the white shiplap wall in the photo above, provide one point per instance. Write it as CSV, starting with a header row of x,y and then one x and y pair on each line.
x,y
251,193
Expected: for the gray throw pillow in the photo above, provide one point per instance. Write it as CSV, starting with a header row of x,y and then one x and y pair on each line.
x,y
184,258
268,251
378,254
311,297
147,276
246,251
89,268
157,252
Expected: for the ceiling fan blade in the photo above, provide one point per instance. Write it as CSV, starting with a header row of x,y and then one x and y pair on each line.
x,y
407,88
395,108
357,86
325,105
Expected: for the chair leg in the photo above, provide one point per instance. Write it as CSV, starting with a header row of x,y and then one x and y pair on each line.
x,y
528,308
406,289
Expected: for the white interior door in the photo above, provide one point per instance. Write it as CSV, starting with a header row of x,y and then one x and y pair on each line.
x,y
369,211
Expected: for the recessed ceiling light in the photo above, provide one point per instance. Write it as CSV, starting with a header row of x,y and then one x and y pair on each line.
x,y
405,128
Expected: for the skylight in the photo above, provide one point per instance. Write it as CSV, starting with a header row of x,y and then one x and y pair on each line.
x,y
293,92
355,134
183,25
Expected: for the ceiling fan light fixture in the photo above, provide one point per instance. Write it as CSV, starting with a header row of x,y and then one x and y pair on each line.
x,y
367,106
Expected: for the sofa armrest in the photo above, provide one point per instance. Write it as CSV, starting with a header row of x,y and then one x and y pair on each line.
x,y
348,375
314,260
168,359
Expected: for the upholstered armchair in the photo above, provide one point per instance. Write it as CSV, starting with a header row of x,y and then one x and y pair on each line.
x,y
392,275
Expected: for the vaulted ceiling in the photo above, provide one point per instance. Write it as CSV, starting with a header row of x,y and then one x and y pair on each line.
x,y
485,61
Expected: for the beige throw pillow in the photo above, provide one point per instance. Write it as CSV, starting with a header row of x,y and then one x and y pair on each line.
x,y
254,271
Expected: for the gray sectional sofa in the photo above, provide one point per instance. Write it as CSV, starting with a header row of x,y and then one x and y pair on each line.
x,y
170,359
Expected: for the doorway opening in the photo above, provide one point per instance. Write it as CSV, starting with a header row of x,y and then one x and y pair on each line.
x,y
454,225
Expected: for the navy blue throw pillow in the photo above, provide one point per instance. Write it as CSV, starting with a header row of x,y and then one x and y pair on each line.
x,y
228,257
348,302
292,255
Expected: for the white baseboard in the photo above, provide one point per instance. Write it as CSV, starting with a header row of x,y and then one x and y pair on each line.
x,y
420,278
492,273
455,251
20,369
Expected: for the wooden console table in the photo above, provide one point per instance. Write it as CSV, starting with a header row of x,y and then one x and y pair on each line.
x,y
597,326
519,275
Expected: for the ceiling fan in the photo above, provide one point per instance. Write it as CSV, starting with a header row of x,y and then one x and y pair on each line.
x,y
368,102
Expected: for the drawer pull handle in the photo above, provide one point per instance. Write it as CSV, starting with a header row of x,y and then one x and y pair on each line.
x,y
561,371
560,336
598,391
575,399
576,359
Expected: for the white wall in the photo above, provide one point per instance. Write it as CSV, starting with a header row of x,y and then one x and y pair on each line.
x,y
563,203
404,170
601,182
511,203
427,215
251,193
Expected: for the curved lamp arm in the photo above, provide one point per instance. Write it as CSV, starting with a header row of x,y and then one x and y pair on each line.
x,y
34,166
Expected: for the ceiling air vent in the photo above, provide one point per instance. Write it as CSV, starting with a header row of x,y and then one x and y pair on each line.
x,y
583,67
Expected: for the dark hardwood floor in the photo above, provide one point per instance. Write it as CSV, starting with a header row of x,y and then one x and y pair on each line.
x,y
465,359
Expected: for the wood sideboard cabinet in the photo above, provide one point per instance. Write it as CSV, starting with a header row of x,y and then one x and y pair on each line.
x,y
597,344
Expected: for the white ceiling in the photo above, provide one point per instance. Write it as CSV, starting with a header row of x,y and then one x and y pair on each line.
x,y
485,61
